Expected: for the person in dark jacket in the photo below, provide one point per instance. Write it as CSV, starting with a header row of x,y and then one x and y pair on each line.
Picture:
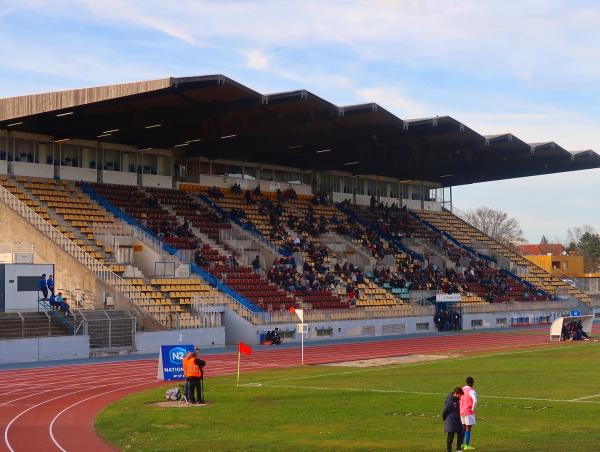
x,y
451,417
43,286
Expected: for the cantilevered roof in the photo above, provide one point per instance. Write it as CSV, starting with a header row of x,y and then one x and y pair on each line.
x,y
216,117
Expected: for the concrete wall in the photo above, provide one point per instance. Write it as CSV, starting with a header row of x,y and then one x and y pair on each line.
x,y
3,167
145,259
119,177
503,319
44,349
153,180
238,329
201,337
31,169
77,174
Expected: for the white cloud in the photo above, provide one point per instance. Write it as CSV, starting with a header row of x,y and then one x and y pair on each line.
x,y
525,39
256,59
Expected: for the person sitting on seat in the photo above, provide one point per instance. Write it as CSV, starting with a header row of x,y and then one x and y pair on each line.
x,y
276,337
52,302
580,333
215,192
63,306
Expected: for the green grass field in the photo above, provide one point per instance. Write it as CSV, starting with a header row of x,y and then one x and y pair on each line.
x,y
526,403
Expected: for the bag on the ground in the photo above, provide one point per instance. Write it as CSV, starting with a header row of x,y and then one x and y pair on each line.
x,y
173,394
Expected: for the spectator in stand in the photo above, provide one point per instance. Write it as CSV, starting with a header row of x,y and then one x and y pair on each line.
x,y
257,191
43,286
256,264
215,192
236,189
200,259
232,262
290,193
50,284
248,197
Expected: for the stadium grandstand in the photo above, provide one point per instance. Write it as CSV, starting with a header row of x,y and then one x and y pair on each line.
x,y
199,204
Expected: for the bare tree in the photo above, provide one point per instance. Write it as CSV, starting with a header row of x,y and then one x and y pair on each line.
x,y
497,224
575,234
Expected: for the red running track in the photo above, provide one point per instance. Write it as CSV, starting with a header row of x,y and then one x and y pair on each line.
x,y
38,412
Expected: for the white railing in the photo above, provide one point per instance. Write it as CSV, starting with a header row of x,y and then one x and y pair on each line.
x,y
518,306
113,229
99,270
325,315
148,240
209,316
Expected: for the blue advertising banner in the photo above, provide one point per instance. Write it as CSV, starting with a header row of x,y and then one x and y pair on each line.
x,y
169,361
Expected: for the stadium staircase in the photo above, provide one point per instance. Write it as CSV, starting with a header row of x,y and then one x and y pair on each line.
x,y
21,325
470,237
56,209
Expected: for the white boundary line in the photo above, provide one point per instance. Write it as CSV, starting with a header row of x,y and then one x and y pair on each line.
x,y
397,391
581,399
51,426
424,363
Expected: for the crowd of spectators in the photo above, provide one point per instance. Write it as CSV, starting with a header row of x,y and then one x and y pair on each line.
x,y
386,227
311,278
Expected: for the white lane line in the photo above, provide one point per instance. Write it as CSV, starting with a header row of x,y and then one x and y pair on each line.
x,y
397,391
89,380
425,363
51,426
65,371
14,419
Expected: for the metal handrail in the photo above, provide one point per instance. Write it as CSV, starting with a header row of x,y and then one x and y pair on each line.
x,y
100,270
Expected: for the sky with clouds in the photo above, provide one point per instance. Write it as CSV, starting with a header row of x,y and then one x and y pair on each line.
x,y
530,67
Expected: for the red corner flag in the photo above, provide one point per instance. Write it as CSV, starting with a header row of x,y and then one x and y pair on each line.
x,y
244,349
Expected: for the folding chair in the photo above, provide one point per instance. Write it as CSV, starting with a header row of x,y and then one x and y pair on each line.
x,y
183,392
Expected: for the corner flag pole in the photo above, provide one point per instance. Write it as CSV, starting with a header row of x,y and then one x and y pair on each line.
x,y
237,383
300,314
302,335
